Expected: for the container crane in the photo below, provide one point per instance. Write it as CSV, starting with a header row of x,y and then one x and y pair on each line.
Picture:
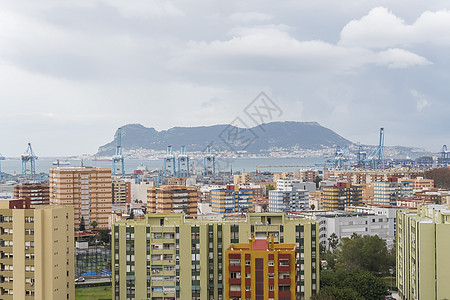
x,y
118,162
183,163
375,160
341,160
1,158
30,157
445,156
209,162
169,162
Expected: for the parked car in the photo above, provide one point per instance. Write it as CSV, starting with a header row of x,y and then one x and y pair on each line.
x,y
80,279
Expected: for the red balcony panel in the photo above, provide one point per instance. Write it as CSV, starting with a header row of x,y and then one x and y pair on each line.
x,y
271,281
235,268
234,255
248,294
271,294
284,268
284,256
235,293
270,256
284,281
247,256
284,294
235,281
248,281
248,269
271,269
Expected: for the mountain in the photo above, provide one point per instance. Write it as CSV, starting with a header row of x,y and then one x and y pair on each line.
x,y
304,135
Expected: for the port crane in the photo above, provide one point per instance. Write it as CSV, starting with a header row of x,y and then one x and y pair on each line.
x,y
445,156
183,163
209,162
169,162
118,162
375,160
29,157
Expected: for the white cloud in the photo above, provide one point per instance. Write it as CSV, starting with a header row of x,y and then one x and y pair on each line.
x,y
249,17
145,8
421,100
380,28
272,47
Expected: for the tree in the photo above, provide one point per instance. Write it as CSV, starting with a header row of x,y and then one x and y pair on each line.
x,y
104,236
264,207
363,253
440,176
313,207
317,181
343,284
94,224
270,187
82,225
333,242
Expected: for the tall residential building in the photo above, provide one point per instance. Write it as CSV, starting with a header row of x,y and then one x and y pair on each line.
x,y
423,258
266,270
388,192
121,192
173,199
37,193
337,197
36,251
288,197
243,178
231,199
306,175
87,189
166,256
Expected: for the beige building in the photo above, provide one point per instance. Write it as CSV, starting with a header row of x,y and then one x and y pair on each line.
x,y
173,199
37,193
243,178
423,256
36,251
87,189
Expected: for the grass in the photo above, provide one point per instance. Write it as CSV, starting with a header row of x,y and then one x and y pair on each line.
x,y
93,293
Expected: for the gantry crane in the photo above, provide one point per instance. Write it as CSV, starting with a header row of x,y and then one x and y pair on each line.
x,y
118,162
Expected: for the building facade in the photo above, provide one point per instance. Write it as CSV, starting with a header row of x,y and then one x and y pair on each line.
x,y
173,199
231,199
87,189
170,257
121,192
36,251
261,269
337,197
37,193
423,258
388,192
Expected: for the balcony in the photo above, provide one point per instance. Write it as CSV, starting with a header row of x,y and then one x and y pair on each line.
x,y
234,268
235,293
235,281
286,294
284,268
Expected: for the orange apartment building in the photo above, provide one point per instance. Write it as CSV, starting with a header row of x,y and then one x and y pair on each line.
x,y
173,199
121,192
260,269
87,189
37,193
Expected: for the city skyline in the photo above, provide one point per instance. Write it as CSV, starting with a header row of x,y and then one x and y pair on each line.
x,y
73,72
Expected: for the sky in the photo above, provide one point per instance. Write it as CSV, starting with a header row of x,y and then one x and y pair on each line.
x,y
73,71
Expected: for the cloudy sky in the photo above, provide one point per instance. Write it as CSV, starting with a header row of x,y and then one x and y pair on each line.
x,y
73,71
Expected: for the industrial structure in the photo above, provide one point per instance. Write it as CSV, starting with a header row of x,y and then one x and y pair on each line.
x,y
341,159
375,160
169,163
209,162
29,157
183,163
1,174
445,156
118,163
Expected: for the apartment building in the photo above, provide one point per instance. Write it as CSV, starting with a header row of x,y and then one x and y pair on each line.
x,y
266,270
36,251
167,256
232,199
243,178
38,193
388,192
306,175
340,195
423,259
87,189
121,192
173,199
288,201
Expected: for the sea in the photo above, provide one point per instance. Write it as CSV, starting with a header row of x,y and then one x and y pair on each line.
x,y
43,165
